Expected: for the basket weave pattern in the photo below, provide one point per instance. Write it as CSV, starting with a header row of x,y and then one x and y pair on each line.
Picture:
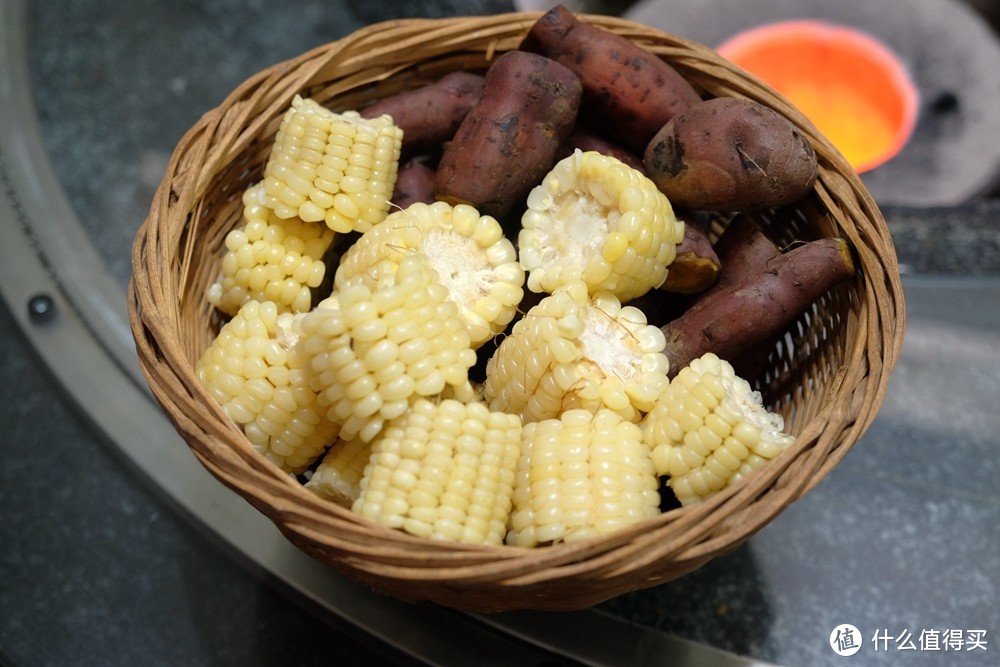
x,y
827,378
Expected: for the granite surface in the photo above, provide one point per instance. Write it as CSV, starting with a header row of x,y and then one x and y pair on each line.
x,y
96,570
947,241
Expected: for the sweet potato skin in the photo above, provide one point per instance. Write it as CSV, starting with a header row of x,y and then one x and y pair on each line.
x,y
626,88
696,266
511,137
731,154
732,320
414,183
584,139
743,249
431,114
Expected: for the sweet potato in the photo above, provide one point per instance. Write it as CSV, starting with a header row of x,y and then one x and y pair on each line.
x,y
743,249
511,137
730,321
587,140
696,266
414,183
731,154
626,88
430,115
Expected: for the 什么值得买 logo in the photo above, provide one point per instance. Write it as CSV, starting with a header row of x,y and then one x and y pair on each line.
x,y
845,639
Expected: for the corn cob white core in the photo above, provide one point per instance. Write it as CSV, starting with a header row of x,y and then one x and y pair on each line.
x,y
574,350
596,219
472,257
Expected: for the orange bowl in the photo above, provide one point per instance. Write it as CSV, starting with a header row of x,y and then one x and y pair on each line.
x,y
849,84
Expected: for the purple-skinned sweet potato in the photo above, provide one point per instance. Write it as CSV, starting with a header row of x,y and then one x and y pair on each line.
x,y
414,183
511,137
627,89
431,114
731,320
731,154
696,266
743,249
586,140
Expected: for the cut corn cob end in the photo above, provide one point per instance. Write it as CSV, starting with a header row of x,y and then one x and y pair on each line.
x,y
259,376
443,470
709,429
338,476
596,219
469,251
379,349
268,258
581,475
338,168
577,350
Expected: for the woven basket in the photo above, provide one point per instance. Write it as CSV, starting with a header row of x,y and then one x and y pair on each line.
x,y
827,378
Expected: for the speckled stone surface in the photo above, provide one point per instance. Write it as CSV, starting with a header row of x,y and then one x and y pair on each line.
x,y
96,570
955,241
117,85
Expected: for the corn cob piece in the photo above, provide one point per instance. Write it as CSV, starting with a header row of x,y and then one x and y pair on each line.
x,y
709,429
469,251
334,167
269,258
259,376
575,350
338,475
444,470
582,475
596,219
380,348
329,301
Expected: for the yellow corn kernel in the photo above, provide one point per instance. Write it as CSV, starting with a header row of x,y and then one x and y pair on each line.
x,y
269,258
260,376
596,219
377,349
581,475
338,168
575,350
443,470
470,253
709,429
338,475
